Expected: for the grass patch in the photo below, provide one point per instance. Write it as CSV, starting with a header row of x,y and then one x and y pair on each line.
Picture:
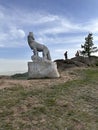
x,y
20,76
69,106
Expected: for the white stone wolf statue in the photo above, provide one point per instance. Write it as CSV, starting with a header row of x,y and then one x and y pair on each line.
x,y
37,47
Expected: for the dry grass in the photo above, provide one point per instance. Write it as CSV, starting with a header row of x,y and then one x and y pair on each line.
x,y
52,104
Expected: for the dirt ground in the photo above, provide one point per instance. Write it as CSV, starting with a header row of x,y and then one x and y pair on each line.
x,y
65,76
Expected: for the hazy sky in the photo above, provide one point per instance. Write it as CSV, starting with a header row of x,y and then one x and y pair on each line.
x,y
59,24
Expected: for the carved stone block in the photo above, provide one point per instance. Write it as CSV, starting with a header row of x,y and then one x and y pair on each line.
x,y
44,69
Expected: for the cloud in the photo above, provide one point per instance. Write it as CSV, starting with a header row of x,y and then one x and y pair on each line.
x,y
11,34
17,33
17,23
91,26
63,25
12,38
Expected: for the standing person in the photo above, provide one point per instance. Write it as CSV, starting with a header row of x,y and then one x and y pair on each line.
x,y
66,55
77,54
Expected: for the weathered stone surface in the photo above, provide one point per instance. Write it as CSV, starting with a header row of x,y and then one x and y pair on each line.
x,y
41,67
38,59
44,69
37,47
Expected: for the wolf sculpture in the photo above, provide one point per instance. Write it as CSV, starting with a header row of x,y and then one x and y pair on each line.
x,y
37,47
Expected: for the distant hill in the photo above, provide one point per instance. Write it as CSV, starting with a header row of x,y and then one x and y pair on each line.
x,y
20,76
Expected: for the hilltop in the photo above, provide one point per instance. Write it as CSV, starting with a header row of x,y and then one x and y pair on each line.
x,y
79,61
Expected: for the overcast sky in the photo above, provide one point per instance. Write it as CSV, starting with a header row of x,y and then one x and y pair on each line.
x,y
59,24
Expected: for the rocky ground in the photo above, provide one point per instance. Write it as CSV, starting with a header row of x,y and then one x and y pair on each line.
x,y
78,61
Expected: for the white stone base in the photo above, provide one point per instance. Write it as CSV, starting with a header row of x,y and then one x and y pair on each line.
x,y
42,69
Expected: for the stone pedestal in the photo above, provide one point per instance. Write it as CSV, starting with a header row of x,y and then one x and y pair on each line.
x,y
43,69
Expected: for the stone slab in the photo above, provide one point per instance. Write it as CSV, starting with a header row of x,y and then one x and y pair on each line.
x,y
42,70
